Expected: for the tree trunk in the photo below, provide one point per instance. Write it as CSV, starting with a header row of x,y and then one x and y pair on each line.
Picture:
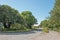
x,y
30,26
7,25
4,23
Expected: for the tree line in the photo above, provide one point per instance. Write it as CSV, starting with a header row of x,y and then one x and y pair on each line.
x,y
53,21
9,16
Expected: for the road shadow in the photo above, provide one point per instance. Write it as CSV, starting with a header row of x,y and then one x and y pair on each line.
x,y
20,33
38,30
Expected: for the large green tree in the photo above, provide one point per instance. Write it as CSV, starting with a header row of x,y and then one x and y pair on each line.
x,y
44,23
55,14
28,18
53,21
9,15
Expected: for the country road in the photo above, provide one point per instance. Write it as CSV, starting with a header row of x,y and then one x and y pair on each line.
x,y
34,35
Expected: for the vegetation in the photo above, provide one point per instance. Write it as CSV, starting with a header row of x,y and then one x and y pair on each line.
x,y
13,20
53,22
28,18
9,16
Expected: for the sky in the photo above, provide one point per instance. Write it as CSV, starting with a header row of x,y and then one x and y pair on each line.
x,y
39,8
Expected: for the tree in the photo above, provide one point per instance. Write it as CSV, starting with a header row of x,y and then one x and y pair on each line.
x,y
9,15
29,18
44,23
55,15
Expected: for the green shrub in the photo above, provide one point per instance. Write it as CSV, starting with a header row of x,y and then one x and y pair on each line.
x,y
46,30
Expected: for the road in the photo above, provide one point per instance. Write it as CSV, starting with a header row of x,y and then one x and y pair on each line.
x,y
33,35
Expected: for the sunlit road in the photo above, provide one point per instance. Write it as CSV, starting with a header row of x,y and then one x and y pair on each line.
x,y
34,35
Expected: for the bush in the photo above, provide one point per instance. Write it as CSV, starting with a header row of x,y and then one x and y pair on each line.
x,y
46,30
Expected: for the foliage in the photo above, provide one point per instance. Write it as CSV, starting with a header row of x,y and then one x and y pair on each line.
x,y
9,15
29,18
12,20
18,26
46,30
53,21
55,15
44,23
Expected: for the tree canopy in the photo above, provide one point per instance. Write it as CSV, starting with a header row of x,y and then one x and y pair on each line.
x,y
54,19
29,18
9,15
